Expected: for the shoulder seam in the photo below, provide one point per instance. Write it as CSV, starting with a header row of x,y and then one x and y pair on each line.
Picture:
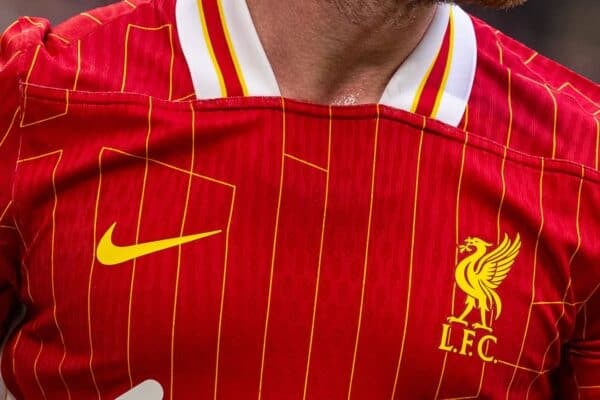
x,y
73,40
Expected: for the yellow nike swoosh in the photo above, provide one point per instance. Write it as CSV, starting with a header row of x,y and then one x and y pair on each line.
x,y
109,253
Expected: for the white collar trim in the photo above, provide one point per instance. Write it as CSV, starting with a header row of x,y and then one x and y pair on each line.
x,y
403,88
255,70
257,75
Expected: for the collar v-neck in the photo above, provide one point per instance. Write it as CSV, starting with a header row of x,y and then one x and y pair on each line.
x,y
226,58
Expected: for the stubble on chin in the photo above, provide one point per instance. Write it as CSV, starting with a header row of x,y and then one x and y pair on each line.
x,y
368,12
401,13
492,3
360,11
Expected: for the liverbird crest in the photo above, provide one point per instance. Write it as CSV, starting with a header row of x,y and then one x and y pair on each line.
x,y
480,273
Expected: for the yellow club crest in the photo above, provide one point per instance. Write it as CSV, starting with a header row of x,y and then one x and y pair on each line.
x,y
478,275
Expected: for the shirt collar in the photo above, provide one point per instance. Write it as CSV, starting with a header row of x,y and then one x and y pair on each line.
x,y
225,58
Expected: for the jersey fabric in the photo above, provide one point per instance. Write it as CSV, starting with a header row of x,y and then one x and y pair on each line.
x,y
172,224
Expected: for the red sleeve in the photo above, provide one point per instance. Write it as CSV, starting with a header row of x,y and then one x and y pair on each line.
x,y
16,44
580,374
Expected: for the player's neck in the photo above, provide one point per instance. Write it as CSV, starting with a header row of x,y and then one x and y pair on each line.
x,y
322,53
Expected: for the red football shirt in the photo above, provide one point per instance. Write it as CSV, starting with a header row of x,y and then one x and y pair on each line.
x,y
172,225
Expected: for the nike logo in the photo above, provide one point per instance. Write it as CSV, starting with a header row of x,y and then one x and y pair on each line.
x,y
109,253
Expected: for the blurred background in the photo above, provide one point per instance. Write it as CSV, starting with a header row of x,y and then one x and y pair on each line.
x,y
565,30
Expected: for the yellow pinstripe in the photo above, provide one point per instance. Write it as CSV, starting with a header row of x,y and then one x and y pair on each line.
x,y
169,27
411,260
10,126
223,291
319,262
274,251
35,364
89,292
555,120
535,264
52,283
90,16
597,143
78,65
457,238
137,238
366,259
178,272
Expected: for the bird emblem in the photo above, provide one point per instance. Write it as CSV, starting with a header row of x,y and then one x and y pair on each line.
x,y
480,273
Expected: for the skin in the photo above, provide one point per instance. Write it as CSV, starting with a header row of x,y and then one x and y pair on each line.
x,y
345,51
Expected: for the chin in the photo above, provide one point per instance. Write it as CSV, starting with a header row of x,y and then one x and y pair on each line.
x,y
492,3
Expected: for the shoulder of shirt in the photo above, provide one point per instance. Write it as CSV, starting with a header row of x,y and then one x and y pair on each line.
x,y
537,106
18,43
527,65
